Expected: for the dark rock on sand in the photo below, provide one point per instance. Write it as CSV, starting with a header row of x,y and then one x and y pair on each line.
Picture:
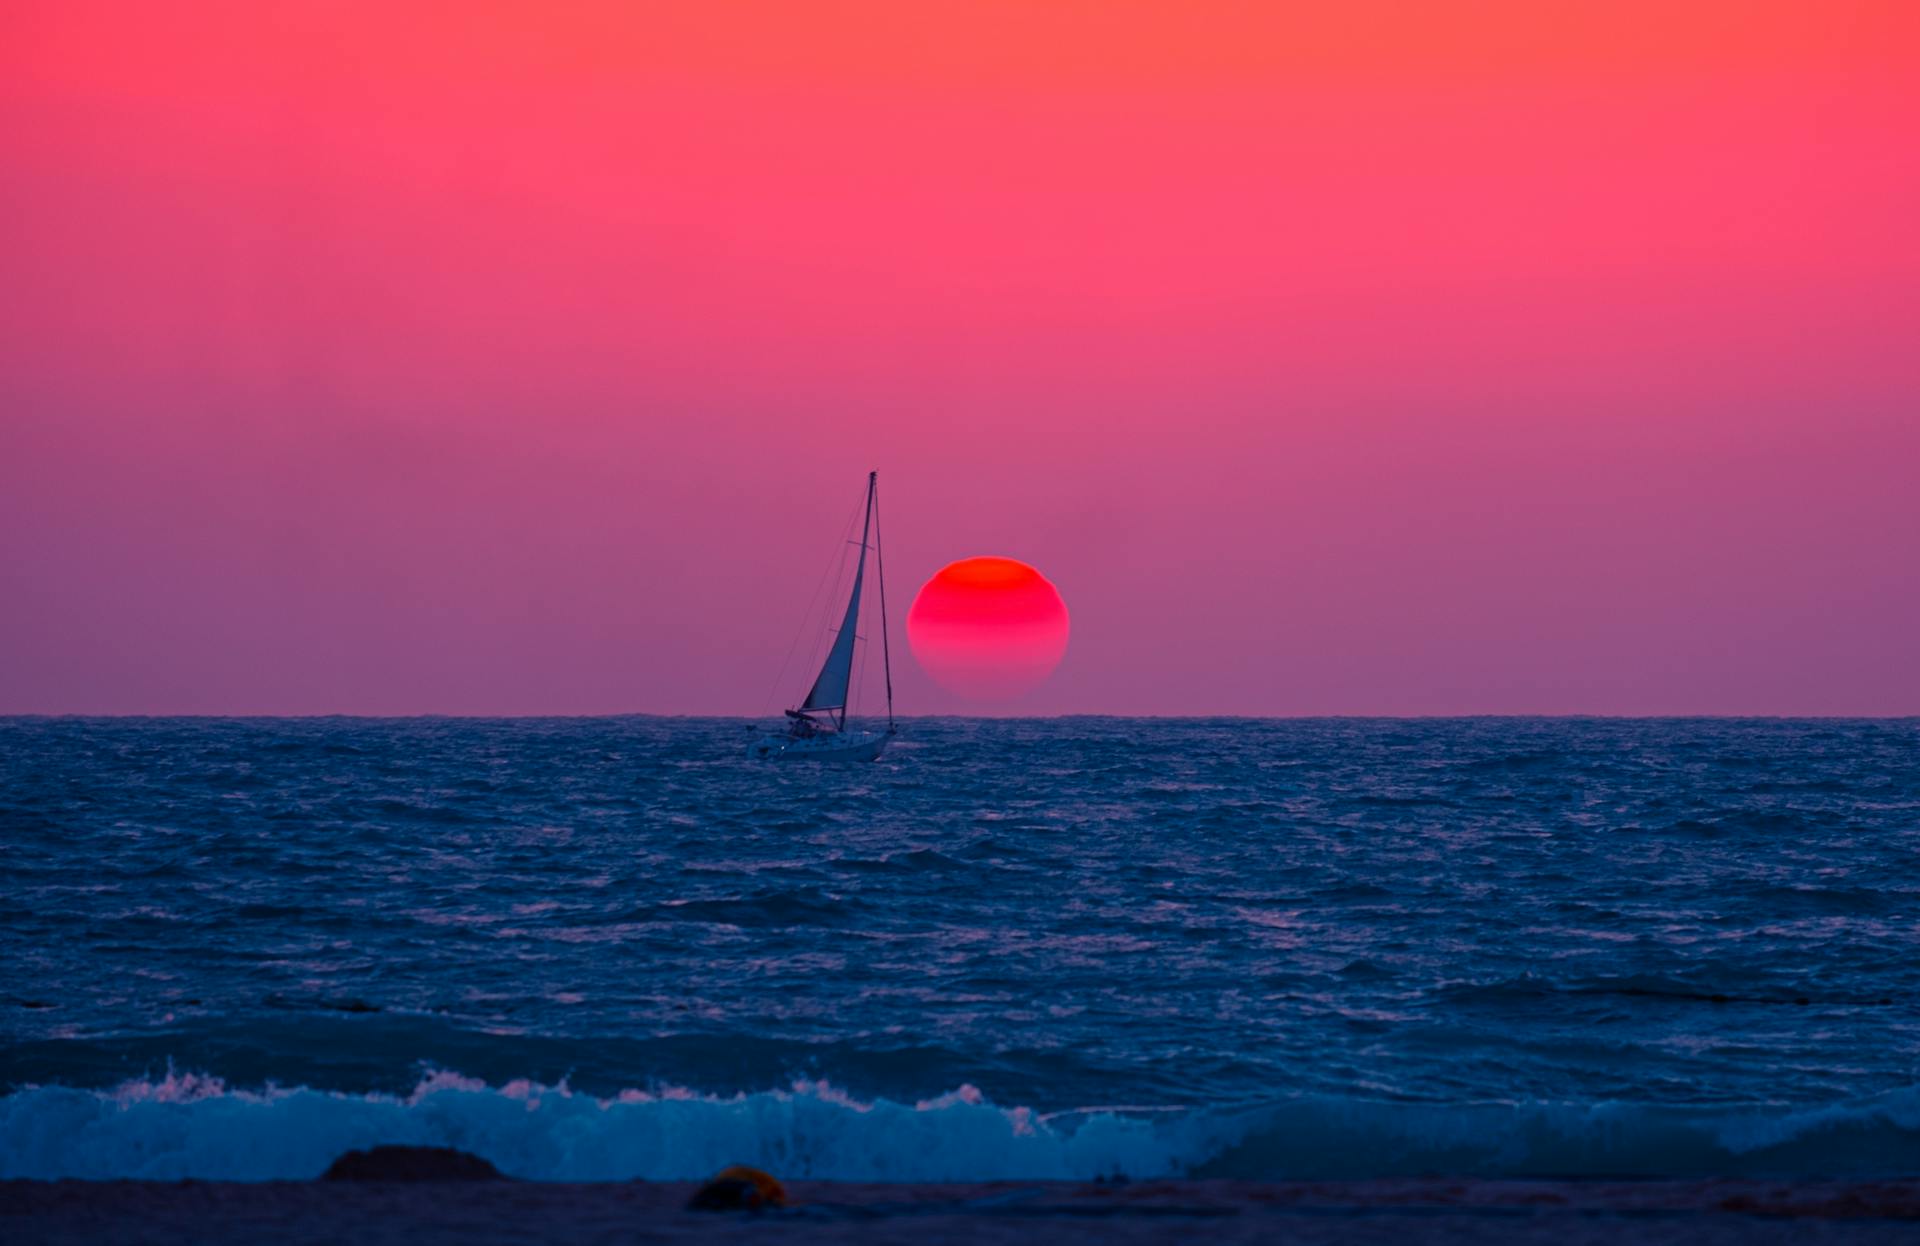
x,y
411,1163
738,1188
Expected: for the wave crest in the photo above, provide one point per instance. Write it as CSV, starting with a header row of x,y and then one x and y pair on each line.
x,y
188,1125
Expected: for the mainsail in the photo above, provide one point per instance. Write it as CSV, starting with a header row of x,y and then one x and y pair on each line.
x,y
829,692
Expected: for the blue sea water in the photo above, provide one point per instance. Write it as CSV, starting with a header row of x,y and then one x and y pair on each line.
x,y
614,948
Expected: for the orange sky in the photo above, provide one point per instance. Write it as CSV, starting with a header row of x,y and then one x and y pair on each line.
x,y
1358,357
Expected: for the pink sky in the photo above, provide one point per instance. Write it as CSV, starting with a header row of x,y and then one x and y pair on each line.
x,y
1334,358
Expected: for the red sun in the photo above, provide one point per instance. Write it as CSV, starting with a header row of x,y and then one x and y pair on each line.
x,y
988,628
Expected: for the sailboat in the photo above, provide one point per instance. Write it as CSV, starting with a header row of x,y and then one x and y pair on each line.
x,y
818,729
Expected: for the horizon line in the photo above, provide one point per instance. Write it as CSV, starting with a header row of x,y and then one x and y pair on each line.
x,y
1579,715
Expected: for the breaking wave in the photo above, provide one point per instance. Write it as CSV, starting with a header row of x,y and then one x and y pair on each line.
x,y
184,1125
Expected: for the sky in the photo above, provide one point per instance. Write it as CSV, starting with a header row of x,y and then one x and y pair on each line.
x,y
1355,358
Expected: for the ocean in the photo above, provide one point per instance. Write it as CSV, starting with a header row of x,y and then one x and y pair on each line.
x,y
612,948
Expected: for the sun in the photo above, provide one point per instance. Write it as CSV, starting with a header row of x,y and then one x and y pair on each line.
x,y
988,628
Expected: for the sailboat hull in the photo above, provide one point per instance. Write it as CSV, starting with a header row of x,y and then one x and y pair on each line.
x,y
836,746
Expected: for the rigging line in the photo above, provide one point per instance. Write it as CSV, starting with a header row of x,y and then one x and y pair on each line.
x,y
830,611
880,565
806,619
822,641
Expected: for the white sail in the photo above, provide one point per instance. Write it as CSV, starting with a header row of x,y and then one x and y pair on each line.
x,y
829,692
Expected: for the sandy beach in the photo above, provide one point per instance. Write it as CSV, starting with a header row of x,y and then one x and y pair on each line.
x,y
1446,1211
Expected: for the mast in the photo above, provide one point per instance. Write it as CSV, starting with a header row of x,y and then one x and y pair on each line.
x,y
880,567
853,607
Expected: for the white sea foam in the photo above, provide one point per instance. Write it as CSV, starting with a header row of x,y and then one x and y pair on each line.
x,y
191,1126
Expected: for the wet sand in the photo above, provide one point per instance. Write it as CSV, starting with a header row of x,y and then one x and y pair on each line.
x,y
1393,1213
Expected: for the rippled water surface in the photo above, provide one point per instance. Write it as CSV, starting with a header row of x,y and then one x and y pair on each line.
x,y
1363,929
